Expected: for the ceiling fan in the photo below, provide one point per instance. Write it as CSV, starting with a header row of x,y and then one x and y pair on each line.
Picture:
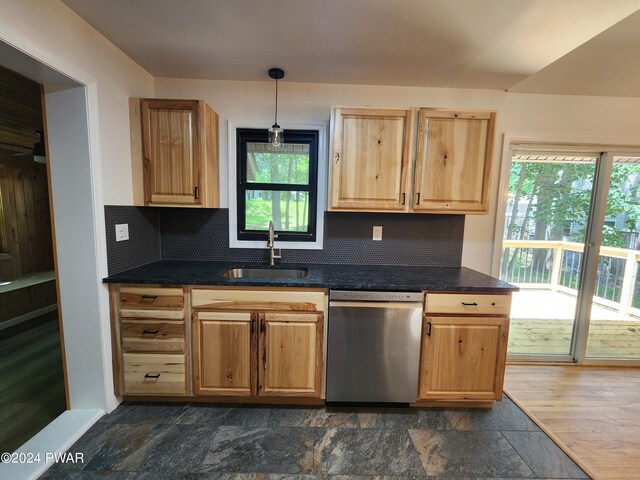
x,y
38,152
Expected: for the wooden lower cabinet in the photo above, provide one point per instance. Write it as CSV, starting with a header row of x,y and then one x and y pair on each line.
x,y
150,337
280,358
290,362
258,343
225,353
267,345
463,358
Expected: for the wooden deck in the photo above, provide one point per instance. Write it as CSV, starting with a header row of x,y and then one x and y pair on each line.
x,y
542,323
592,413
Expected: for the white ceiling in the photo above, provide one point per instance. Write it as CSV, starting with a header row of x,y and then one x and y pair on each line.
x,y
493,44
608,64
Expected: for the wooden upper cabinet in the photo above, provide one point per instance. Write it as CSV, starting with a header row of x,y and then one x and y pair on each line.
x,y
179,152
371,159
453,161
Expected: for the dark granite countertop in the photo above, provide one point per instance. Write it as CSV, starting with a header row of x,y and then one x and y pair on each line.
x,y
338,277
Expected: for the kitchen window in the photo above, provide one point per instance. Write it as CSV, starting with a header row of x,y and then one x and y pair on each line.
x,y
277,184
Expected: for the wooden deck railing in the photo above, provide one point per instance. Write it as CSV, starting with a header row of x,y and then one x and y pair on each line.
x,y
556,265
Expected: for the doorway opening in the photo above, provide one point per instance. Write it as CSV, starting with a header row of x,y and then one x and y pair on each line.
x,y
31,358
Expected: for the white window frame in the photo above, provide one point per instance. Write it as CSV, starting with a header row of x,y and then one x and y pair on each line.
x,y
321,191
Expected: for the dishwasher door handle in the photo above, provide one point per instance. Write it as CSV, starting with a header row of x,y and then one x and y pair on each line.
x,y
373,304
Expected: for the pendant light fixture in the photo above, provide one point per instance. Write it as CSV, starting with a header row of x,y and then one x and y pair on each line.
x,y
275,132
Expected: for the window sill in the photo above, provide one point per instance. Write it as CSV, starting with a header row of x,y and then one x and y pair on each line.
x,y
235,243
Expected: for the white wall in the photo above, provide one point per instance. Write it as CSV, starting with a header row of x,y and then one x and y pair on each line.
x,y
76,249
547,117
90,167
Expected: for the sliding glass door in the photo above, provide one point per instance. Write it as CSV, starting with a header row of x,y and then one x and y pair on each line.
x,y
614,327
546,215
570,242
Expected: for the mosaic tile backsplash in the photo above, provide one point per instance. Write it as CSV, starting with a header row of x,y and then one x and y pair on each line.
x,y
143,245
203,234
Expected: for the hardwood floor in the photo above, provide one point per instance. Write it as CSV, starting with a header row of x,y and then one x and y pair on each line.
x,y
31,383
592,412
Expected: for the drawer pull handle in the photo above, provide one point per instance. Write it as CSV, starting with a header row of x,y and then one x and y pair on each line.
x,y
149,297
151,332
151,375
474,304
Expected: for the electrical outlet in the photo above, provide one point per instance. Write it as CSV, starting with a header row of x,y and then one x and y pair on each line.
x,y
377,233
122,232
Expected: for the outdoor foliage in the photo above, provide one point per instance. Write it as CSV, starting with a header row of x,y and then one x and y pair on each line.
x,y
289,210
557,197
553,199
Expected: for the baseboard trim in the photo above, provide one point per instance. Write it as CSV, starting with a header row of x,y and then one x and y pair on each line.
x,y
57,437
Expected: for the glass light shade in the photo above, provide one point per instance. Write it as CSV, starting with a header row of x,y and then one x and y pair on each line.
x,y
275,135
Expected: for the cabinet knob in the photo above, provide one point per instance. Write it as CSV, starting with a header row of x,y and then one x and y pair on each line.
x,y
337,157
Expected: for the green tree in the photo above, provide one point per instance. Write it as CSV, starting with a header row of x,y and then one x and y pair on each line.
x,y
557,198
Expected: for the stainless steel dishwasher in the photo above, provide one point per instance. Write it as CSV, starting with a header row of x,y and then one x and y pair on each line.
x,y
373,346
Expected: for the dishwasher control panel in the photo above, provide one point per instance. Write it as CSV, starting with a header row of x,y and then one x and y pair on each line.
x,y
369,296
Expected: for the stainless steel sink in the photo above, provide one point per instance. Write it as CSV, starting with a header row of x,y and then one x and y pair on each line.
x,y
265,273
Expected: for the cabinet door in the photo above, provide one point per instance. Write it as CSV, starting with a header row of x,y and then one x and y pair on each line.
x,y
225,353
370,167
290,361
453,162
171,140
463,358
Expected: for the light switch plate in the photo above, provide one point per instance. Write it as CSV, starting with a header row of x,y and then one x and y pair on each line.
x,y
377,233
122,232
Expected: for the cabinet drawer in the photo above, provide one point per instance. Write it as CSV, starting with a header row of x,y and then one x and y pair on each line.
x,y
258,300
157,374
152,298
152,336
151,315
467,303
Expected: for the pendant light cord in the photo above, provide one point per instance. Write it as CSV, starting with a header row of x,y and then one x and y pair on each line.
x,y
276,118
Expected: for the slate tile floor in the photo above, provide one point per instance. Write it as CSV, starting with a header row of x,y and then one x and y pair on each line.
x,y
189,442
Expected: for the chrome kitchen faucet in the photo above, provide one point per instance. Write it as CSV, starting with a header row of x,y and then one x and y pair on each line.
x,y
270,244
